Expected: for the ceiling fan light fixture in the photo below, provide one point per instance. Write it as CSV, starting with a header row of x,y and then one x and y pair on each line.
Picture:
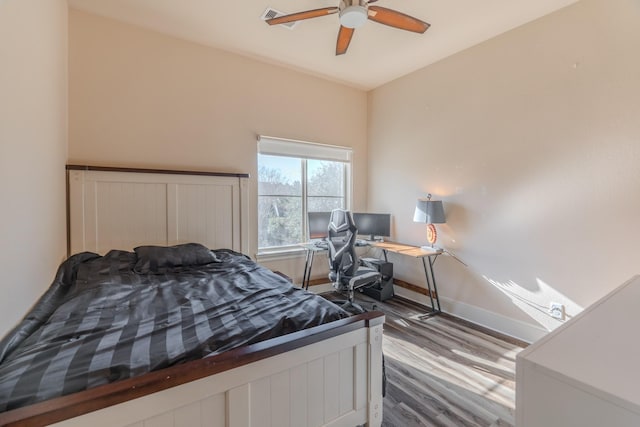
x,y
353,16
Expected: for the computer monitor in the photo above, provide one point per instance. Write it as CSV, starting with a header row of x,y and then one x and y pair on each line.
x,y
318,223
373,224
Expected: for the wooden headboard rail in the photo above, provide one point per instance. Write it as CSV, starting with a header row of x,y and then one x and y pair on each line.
x,y
162,171
61,408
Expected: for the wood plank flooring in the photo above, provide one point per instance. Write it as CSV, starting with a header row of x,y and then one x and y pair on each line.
x,y
443,371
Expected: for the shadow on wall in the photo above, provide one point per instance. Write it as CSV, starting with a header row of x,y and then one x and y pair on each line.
x,y
534,304
532,300
487,256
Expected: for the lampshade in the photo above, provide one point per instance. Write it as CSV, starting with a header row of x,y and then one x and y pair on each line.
x,y
429,211
353,13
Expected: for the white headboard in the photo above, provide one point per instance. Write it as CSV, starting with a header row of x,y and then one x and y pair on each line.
x,y
118,208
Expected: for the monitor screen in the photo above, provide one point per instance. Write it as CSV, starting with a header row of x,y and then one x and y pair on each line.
x,y
318,224
373,224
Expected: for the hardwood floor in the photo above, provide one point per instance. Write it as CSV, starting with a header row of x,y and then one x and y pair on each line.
x,y
443,371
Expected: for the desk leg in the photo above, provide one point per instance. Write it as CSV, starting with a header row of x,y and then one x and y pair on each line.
x,y
433,279
430,277
308,264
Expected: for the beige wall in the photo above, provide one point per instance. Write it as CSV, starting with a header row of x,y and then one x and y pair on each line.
x,y
33,144
532,140
142,99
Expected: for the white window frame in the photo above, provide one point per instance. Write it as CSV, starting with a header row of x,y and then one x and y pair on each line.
x,y
268,145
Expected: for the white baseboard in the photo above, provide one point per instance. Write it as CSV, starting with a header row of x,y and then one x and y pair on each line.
x,y
505,325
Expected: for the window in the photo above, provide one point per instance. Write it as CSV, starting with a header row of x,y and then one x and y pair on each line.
x,y
295,178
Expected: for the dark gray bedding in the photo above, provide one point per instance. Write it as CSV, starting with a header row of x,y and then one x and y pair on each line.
x,y
108,318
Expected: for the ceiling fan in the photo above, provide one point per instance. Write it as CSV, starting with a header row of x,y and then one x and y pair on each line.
x,y
353,14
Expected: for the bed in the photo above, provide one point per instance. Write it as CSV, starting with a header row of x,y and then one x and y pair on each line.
x,y
288,370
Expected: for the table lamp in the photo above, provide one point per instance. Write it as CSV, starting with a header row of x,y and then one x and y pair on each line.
x,y
430,212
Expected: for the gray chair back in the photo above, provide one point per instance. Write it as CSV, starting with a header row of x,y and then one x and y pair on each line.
x,y
343,260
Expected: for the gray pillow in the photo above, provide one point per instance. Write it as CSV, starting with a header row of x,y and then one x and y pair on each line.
x,y
160,259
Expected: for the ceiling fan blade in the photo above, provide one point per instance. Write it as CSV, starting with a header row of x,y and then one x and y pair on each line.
x,y
396,19
315,13
344,38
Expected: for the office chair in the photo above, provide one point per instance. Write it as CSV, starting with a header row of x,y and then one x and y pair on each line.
x,y
346,273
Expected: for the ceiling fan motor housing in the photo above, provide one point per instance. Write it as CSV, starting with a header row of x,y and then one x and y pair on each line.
x,y
353,13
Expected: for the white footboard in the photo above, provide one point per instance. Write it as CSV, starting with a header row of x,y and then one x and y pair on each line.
x,y
334,382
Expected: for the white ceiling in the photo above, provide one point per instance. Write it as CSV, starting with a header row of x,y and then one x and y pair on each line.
x,y
377,54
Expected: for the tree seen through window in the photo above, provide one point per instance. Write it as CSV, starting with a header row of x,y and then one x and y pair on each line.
x,y
288,188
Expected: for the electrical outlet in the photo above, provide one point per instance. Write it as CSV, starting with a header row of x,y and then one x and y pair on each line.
x,y
556,310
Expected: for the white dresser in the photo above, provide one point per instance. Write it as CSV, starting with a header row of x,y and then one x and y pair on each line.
x,y
586,372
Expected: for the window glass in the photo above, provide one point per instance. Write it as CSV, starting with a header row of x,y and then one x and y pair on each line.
x,y
279,201
325,185
288,188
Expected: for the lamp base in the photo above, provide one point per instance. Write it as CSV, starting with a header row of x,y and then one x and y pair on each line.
x,y
431,248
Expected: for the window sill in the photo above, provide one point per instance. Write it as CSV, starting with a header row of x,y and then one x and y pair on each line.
x,y
280,253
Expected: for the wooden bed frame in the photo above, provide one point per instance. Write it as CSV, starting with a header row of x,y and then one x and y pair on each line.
x,y
329,375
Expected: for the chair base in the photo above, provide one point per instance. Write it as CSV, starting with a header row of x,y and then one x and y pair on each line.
x,y
349,304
